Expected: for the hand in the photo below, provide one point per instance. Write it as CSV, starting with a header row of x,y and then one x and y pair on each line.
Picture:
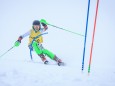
x,y
17,43
43,24
19,39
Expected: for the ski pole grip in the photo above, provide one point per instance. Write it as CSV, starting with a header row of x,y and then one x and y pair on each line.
x,y
43,21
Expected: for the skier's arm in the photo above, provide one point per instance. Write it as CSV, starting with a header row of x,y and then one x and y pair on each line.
x,y
17,43
26,34
23,36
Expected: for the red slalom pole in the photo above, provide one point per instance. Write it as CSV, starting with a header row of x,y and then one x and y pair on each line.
x,y
93,37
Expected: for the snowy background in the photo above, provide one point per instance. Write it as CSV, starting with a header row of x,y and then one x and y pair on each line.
x,y
16,17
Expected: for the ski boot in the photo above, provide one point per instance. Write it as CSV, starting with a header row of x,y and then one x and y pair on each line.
x,y
43,59
59,61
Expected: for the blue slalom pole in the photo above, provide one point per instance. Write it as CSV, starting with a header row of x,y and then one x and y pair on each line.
x,y
85,35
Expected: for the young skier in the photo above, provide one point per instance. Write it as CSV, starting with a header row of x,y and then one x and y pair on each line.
x,y
37,43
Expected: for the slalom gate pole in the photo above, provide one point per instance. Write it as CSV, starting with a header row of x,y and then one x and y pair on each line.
x,y
85,35
93,36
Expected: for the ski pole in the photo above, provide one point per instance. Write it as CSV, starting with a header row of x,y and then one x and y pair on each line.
x,y
44,21
66,30
7,51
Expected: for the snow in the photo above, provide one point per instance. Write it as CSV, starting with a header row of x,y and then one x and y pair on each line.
x,y
16,68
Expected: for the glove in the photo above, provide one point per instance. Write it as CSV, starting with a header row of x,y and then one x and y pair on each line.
x,y
43,24
43,21
17,43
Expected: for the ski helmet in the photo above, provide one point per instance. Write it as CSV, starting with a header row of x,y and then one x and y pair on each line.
x,y
36,22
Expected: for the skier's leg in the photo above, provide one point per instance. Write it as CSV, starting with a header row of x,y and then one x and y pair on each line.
x,y
59,61
48,53
43,58
36,48
52,56
39,52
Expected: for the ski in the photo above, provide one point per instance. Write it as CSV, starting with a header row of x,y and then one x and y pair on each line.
x,y
48,63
